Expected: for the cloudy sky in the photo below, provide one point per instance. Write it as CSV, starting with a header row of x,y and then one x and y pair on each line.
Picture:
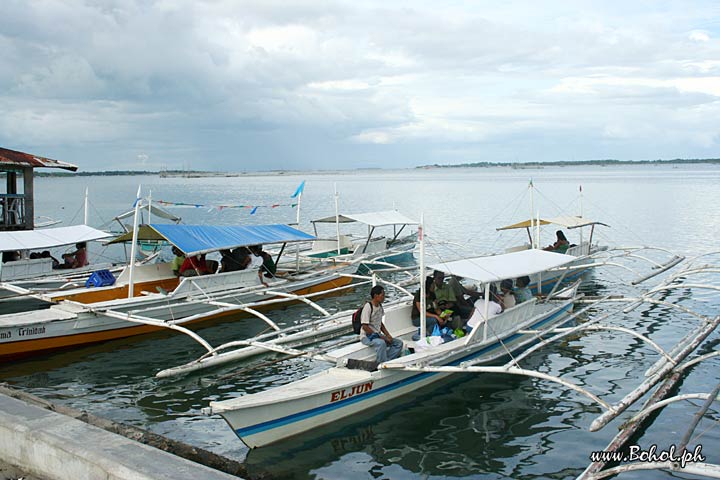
x,y
238,85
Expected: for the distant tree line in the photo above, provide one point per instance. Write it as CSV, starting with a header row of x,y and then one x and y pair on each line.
x,y
576,163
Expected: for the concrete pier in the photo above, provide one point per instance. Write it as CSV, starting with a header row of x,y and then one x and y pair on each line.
x,y
54,446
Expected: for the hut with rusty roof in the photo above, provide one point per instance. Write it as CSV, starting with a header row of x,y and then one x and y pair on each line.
x,y
17,211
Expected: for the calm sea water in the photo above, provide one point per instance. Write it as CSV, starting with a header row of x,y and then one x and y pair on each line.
x,y
469,427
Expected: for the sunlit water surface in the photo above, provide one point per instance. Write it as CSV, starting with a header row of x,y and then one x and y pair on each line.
x,y
468,427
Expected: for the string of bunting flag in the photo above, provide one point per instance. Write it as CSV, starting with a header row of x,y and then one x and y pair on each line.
x,y
252,208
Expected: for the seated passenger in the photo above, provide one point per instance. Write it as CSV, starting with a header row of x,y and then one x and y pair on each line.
x,y
561,244
55,261
446,300
463,306
242,257
76,259
177,261
11,256
507,297
268,265
372,331
478,315
522,289
432,317
256,262
230,262
194,266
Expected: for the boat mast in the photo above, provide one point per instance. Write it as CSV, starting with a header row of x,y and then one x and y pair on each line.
x,y
487,308
423,308
533,243
337,219
582,252
297,224
149,208
86,206
133,248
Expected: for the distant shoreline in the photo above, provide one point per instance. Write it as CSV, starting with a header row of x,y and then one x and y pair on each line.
x,y
526,165
577,163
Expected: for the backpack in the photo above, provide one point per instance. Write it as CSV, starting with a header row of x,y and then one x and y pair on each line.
x,y
357,316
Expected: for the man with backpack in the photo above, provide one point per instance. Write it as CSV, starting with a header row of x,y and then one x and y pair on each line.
x,y
373,332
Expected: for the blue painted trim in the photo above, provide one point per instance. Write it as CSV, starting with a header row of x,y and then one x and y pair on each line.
x,y
271,424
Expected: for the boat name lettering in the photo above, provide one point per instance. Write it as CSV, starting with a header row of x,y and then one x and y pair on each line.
x,y
350,392
24,332
5,335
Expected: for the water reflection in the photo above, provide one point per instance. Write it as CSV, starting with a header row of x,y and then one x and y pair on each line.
x,y
464,426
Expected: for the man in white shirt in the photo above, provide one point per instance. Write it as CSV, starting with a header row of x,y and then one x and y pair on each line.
x,y
372,330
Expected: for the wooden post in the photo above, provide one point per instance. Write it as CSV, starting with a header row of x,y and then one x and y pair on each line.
x,y
29,207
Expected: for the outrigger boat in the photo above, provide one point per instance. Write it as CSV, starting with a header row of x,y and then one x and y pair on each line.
x,y
370,250
346,388
33,269
584,251
157,299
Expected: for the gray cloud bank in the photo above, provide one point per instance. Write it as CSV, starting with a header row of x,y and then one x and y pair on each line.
x,y
258,85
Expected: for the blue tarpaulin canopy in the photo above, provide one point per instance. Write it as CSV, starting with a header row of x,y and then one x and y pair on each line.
x,y
196,239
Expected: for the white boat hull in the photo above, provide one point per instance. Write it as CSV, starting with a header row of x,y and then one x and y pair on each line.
x,y
72,323
267,417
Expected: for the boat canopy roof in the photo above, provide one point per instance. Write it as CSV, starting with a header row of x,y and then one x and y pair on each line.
x,y
509,265
157,211
49,237
568,221
374,219
196,239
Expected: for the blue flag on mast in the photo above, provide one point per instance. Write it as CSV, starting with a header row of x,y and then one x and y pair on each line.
x,y
299,190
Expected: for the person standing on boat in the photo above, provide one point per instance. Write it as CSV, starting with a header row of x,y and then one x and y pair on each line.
x,y
373,332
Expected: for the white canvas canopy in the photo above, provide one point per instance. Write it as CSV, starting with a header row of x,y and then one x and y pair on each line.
x,y
573,222
154,210
568,221
509,265
48,237
374,219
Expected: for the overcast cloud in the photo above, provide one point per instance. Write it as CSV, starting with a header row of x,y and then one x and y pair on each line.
x,y
268,84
